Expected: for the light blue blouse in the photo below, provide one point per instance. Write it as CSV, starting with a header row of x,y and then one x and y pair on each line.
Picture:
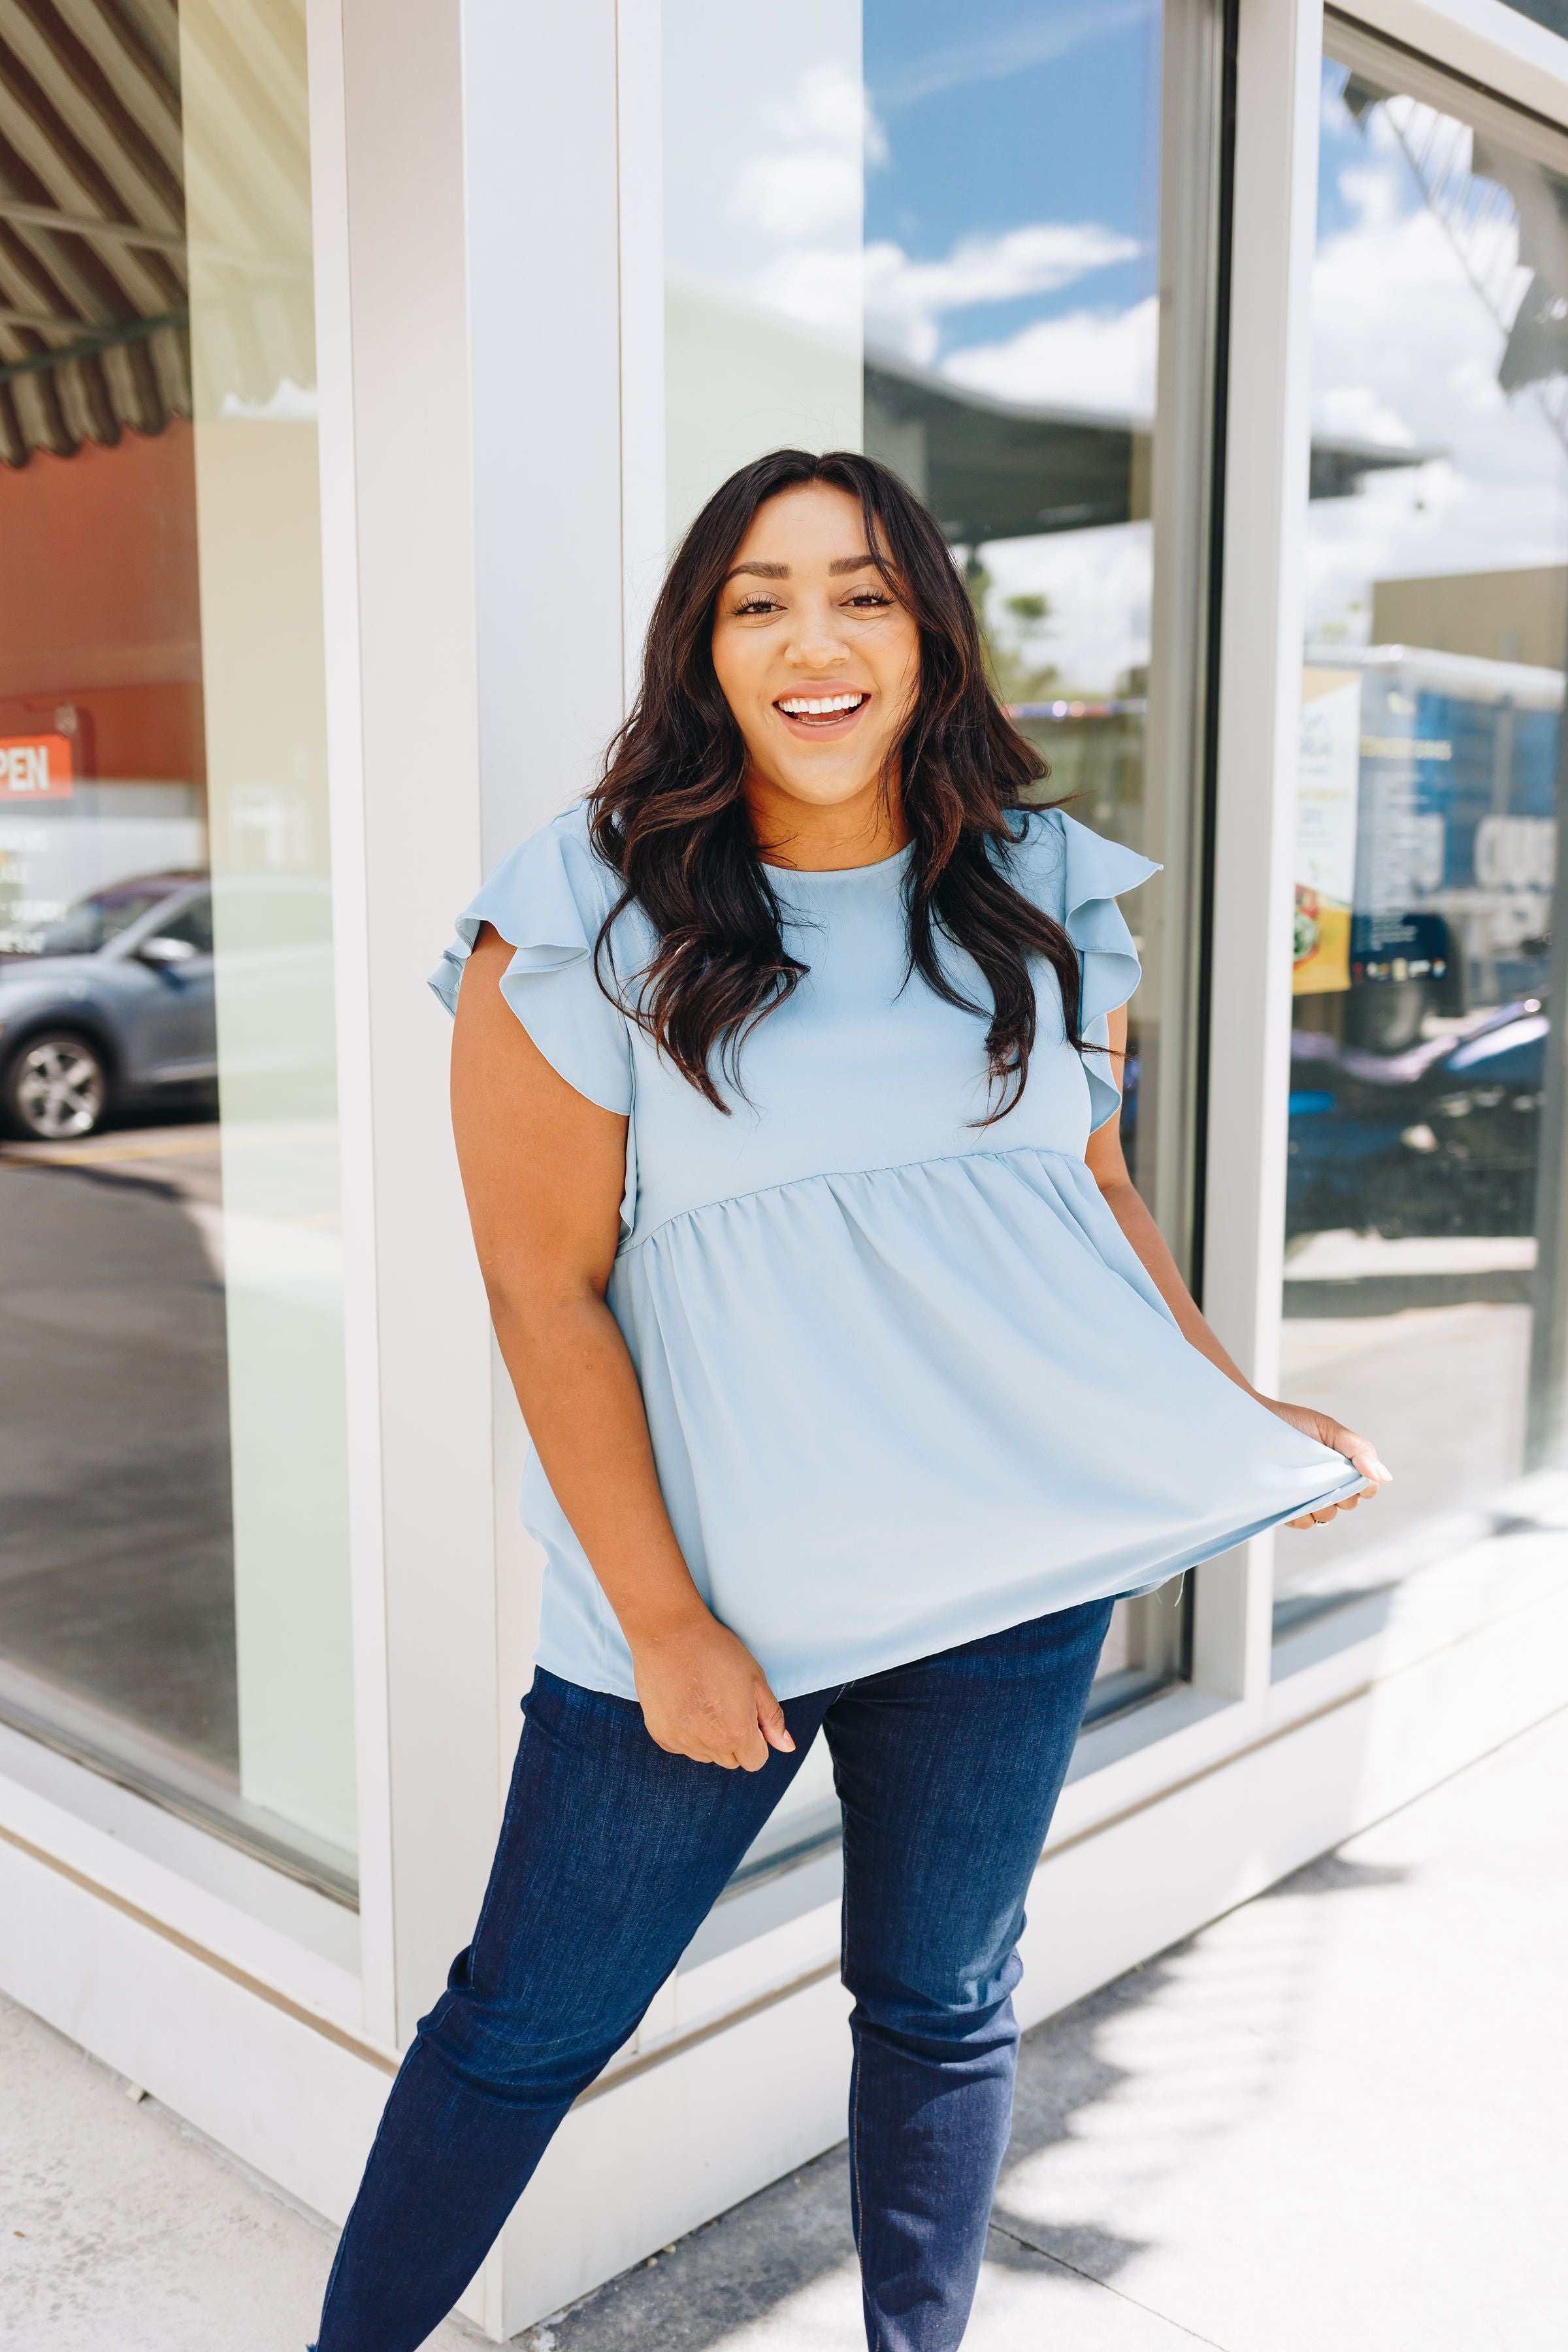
x,y
907,1382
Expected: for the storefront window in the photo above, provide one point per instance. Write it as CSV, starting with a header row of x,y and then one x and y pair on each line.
x,y
1425,1242
934,235
173,1592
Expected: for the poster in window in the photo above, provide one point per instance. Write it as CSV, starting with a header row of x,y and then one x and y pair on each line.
x,y
1327,780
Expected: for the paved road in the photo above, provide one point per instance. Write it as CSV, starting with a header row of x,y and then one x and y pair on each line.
x,y
1332,2119
118,1574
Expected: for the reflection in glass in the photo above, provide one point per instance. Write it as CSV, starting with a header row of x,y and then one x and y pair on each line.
x,y
1421,1241
174,1584
933,234
1011,332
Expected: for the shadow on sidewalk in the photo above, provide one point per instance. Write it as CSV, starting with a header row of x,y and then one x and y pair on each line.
x,y
1209,2048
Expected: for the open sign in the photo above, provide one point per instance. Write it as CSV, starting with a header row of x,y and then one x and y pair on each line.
x,y
35,768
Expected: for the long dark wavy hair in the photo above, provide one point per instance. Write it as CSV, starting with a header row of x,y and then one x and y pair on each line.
x,y
670,818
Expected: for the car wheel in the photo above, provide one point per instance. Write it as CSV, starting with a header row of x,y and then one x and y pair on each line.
x,y
56,1088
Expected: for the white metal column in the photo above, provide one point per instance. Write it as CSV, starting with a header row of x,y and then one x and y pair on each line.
x,y
401,525
1267,453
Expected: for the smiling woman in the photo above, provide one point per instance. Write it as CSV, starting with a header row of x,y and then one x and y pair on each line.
x,y
859,1381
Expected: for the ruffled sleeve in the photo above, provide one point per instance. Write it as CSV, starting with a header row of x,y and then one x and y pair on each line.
x,y
1076,876
548,899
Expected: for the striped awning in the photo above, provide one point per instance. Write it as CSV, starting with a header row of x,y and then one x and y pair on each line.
x,y
95,269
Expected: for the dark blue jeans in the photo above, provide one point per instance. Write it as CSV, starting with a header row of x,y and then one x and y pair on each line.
x,y
610,1854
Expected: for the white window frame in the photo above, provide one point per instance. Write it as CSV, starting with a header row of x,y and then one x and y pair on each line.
x,y
1489,45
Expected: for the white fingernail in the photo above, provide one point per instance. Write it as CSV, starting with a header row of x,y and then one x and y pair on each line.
x,y
1381,1472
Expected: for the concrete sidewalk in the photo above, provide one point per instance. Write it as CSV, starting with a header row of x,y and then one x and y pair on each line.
x,y
1330,2123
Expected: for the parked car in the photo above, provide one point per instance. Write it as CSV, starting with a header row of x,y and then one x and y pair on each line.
x,y
111,1008
1442,1138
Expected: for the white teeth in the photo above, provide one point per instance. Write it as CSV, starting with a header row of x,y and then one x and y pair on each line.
x,y
802,707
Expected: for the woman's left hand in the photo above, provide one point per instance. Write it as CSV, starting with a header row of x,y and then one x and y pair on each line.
x,y
1107,1165
1360,1453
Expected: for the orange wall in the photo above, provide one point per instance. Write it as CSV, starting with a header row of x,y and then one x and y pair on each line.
x,y
98,605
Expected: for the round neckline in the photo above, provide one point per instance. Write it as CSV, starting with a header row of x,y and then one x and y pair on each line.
x,y
838,872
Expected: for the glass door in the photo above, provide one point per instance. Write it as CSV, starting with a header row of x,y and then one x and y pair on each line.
x,y
949,238
1424,1237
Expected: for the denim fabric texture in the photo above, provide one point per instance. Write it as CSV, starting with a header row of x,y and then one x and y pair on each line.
x,y
610,1854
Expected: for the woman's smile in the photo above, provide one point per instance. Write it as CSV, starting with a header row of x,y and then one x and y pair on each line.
x,y
822,710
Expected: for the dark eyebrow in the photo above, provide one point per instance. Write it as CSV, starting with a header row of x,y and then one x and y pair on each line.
x,y
780,571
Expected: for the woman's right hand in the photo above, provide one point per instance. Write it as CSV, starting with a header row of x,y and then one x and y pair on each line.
x,y
704,1696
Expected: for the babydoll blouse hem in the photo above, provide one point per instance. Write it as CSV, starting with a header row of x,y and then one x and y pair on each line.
x,y
884,1657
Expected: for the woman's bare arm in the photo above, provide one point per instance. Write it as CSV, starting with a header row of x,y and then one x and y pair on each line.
x,y
1107,1166
542,1171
